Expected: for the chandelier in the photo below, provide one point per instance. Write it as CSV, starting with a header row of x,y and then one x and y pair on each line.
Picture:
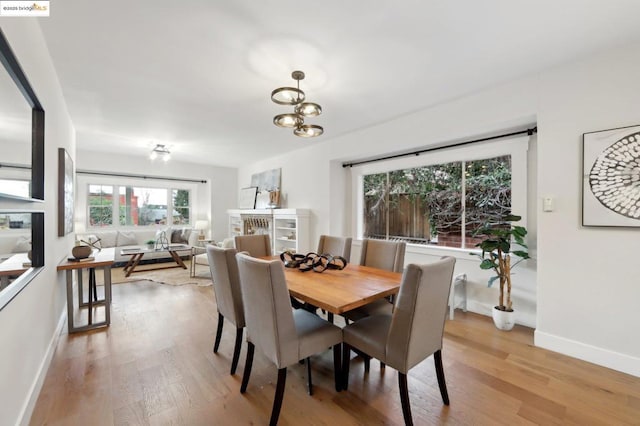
x,y
160,151
295,97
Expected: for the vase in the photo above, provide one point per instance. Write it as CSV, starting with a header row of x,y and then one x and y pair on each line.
x,y
503,320
81,252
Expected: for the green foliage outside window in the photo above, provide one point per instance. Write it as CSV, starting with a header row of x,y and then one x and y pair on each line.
x,y
423,205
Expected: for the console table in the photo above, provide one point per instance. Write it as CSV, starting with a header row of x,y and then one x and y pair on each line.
x,y
102,260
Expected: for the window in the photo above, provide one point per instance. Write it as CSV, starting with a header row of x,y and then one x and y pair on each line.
x,y
15,221
143,206
441,204
180,206
17,187
138,206
100,204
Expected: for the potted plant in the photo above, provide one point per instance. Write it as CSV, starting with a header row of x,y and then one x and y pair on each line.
x,y
150,244
497,248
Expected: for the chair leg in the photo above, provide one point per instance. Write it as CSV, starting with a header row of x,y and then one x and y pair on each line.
x,y
367,363
382,365
277,400
309,384
330,317
404,399
346,355
216,345
236,350
337,369
247,367
437,359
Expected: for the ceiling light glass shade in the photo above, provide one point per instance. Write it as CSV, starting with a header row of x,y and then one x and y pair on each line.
x,y
308,109
287,96
288,120
308,131
160,150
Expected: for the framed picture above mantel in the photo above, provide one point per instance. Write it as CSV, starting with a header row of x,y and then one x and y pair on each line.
x,y
611,178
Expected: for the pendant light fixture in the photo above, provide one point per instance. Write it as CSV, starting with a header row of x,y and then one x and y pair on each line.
x,y
295,97
160,151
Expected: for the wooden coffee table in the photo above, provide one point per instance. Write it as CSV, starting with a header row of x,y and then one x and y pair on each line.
x,y
138,253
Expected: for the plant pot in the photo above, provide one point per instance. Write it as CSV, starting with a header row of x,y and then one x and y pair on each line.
x,y
503,320
81,252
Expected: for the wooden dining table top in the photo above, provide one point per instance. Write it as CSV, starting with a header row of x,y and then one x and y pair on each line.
x,y
339,291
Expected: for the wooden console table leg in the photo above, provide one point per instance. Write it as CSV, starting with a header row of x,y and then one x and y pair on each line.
x,y
70,300
107,294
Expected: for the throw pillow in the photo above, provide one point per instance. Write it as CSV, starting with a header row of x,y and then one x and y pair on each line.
x,y
23,245
108,238
180,236
127,238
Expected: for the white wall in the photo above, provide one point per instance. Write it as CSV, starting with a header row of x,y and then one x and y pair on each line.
x,y
587,286
588,277
212,198
29,323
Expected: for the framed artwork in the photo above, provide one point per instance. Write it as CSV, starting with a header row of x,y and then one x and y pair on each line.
x,y
65,193
611,177
247,198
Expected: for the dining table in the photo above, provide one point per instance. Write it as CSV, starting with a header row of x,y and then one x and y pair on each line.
x,y
341,290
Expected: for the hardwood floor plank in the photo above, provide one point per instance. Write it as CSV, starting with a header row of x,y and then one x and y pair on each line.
x,y
155,365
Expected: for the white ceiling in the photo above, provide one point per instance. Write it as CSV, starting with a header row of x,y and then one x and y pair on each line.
x,y
197,75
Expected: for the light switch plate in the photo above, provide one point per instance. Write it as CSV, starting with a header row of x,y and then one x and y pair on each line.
x,y
547,204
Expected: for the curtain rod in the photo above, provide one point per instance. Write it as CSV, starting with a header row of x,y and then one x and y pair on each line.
x,y
529,132
95,173
14,166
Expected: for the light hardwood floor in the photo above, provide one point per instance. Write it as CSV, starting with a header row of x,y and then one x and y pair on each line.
x,y
155,365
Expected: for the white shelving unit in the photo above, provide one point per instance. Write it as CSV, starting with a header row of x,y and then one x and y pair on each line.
x,y
288,228
235,223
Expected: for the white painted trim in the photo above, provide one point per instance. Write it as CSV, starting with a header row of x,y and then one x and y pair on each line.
x,y
604,357
36,387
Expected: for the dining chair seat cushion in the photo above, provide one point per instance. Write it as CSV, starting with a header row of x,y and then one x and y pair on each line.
x,y
369,335
314,334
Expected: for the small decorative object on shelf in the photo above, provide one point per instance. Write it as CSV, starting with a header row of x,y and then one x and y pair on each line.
x,y
81,259
162,243
80,251
150,244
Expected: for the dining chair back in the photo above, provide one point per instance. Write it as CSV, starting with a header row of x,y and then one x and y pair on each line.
x,y
412,332
336,246
283,335
255,245
226,286
383,254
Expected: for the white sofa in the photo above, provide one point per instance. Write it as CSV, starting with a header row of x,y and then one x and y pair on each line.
x,y
131,238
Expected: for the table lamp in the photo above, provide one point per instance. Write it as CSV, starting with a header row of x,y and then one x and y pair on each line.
x,y
201,225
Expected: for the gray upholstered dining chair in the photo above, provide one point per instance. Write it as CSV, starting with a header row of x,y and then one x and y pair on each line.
x,y
284,335
381,254
336,246
255,245
226,286
412,332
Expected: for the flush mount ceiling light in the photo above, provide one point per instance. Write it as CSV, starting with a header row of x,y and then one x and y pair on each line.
x,y
160,151
295,97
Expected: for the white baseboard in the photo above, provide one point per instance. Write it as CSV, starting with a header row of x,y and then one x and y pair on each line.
x,y
604,357
36,387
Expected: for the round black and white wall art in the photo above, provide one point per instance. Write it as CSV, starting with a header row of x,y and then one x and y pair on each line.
x,y
611,187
